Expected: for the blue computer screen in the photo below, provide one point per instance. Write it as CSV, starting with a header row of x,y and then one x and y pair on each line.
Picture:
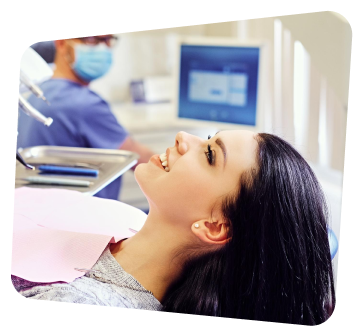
x,y
219,83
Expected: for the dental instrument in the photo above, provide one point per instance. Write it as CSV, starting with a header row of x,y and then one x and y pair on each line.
x,y
57,181
35,89
50,169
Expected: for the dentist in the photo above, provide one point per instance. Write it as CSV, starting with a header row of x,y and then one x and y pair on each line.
x,y
81,117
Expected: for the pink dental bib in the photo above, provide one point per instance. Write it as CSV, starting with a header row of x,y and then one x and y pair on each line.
x,y
56,231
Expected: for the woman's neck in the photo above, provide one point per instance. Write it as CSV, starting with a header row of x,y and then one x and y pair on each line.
x,y
151,255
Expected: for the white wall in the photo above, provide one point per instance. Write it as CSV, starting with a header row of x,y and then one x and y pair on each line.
x,y
327,37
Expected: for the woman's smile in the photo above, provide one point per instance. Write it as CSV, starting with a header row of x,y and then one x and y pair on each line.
x,y
165,161
155,159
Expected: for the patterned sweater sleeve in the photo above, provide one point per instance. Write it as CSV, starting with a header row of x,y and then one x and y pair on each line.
x,y
56,291
106,285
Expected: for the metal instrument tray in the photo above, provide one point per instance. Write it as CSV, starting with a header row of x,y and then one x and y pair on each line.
x,y
110,164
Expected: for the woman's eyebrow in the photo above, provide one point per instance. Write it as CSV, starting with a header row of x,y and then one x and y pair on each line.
x,y
220,143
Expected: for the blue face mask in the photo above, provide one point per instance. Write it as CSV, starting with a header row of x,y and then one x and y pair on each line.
x,y
91,62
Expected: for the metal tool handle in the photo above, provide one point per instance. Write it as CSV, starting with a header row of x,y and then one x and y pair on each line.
x,y
31,111
67,170
57,181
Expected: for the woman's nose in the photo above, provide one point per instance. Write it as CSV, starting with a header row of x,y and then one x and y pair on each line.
x,y
185,141
181,142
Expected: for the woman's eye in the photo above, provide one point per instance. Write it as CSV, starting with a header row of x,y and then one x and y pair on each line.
x,y
210,156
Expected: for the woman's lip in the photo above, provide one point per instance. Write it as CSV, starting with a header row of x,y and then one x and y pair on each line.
x,y
167,156
156,161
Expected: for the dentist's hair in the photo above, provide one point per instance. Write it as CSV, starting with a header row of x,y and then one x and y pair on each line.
x,y
277,265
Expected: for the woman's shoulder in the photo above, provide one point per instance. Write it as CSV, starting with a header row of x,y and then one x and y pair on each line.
x,y
122,288
62,292
88,290
107,284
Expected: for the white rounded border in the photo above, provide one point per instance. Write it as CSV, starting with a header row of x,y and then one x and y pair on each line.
x,y
347,195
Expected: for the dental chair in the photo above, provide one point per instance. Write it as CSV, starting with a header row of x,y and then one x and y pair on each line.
x,y
333,243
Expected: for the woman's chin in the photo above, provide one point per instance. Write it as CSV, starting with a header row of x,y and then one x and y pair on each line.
x,y
143,178
138,172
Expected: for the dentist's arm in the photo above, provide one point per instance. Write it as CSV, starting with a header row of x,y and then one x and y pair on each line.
x,y
134,146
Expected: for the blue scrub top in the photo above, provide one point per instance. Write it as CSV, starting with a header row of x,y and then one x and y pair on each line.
x,y
81,118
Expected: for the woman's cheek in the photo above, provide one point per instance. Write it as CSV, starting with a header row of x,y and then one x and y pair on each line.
x,y
197,189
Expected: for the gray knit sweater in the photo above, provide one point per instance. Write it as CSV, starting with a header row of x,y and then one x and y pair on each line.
x,y
106,285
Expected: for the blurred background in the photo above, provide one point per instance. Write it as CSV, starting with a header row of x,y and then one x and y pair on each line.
x,y
302,90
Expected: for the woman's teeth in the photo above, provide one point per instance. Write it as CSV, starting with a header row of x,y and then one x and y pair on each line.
x,y
164,162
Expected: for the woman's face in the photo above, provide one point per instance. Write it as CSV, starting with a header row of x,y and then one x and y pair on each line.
x,y
200,176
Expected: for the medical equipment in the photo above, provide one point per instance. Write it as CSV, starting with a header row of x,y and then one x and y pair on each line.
x,y
35,89
32,68
21,160
109,163
333,243
51,169
219,82
56,181
31,111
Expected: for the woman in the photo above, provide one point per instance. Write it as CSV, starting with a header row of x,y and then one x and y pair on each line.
x,y
237,227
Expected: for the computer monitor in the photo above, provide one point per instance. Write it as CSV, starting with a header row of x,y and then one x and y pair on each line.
x,y
219,82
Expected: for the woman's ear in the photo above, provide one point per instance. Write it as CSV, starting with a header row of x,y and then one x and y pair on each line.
x,y
211,232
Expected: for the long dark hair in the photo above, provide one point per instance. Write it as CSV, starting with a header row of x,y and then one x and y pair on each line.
x,y
277,265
